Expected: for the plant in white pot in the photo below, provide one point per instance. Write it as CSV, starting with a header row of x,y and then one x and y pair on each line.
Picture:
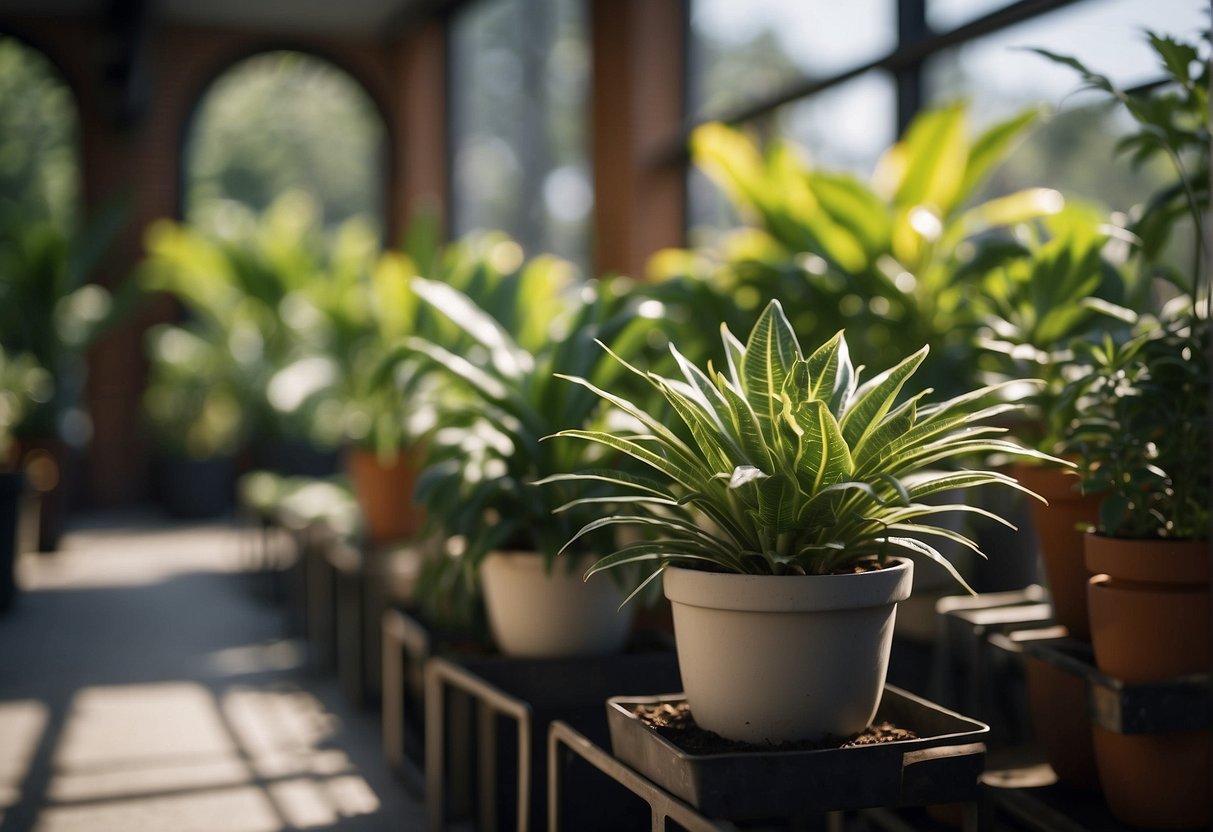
x,y
482,460
779,514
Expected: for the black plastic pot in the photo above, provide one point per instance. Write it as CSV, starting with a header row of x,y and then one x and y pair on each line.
x,y
941,766
525,696
12,487
197,489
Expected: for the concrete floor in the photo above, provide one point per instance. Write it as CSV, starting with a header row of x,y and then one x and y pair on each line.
x,y
146,687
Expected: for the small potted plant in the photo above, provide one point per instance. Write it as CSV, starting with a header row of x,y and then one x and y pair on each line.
x,y
192,404
498,404
52,308
1142,440
1143,445
1035,305
22,384
779,511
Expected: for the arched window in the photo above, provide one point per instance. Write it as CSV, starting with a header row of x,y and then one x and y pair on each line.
x,y
282,121
39,169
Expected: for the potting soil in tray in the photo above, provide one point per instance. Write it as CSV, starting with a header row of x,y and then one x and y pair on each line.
x,y
918,753
673,720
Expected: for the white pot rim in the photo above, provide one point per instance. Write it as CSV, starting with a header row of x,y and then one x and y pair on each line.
x,y
533,561
790,593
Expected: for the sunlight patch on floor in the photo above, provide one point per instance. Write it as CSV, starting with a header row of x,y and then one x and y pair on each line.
x,y
285,654
169,756
118,557
21,726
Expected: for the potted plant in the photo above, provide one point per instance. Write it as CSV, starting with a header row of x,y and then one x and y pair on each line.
x,y
194,410
1058,287
779,512
22,384
246,289
890,259
899,260
368,305
500,401
1143,443
51,308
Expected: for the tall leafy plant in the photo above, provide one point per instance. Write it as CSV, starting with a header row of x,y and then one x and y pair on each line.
x,y
1052,287
885,258
501,398
794,466
52,307
1143,403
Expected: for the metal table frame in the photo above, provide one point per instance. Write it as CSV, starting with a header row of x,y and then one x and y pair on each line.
x,y
564,742
490,702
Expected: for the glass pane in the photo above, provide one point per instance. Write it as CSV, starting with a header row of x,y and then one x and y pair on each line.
x,y
1072,149
742,51
520,72
847,126
944,15
1000,76
285,121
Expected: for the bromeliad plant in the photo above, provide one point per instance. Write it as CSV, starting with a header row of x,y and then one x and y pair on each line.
x,y
788,465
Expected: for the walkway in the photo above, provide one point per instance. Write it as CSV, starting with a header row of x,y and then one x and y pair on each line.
x,y
145,687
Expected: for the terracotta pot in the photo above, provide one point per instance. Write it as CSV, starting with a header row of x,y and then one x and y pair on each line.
x,y
1156,781
385,494
770,659
1150,622
537,614
1057,703
1059,535
50,472
1149,607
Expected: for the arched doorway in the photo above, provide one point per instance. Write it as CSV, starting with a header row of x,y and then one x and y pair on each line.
x,y
279,121
39,166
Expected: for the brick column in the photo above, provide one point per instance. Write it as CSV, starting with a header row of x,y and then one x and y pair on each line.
x,y
636,112
417,178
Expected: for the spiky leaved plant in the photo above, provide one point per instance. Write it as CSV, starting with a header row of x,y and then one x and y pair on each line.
x,y
789,465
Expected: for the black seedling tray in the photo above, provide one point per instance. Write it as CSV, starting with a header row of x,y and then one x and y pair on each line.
x,y
1180,704
941,766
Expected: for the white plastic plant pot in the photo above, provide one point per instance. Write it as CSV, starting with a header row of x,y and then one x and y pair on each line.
x,y
534,613
772,659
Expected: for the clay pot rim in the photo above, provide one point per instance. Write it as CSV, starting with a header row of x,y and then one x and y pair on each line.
x,y
1166,561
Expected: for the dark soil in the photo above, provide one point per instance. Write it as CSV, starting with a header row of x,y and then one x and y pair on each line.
x,y
673,721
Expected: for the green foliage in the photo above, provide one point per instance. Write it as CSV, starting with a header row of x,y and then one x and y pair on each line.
x,y
1050,287
794,467
245,293
1173,123
500,399
23,385
38,177
1142,437
50,308
886,260
1143,402
284,121
192,403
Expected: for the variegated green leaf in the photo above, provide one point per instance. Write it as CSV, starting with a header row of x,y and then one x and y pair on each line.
x,y
822,457
873,400
770,354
